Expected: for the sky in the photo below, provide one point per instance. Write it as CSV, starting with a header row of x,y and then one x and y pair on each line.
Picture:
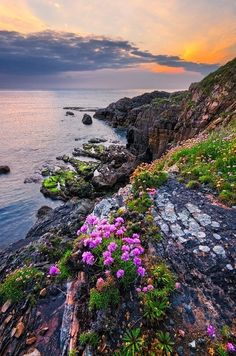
x,y
68,44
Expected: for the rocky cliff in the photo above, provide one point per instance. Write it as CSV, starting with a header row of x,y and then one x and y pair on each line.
x,y
158,120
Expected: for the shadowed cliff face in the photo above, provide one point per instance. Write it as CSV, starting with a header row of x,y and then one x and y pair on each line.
x,y
159,120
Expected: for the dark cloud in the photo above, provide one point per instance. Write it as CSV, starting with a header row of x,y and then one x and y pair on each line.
x,y
49,52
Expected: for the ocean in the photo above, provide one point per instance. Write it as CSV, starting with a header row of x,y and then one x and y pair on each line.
x,y
33,131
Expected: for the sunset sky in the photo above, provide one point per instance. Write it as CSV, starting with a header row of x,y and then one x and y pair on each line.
x,y
163,44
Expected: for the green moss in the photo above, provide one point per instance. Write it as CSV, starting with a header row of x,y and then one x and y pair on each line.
x,y
141,204
86,169
146,179
19,283
94,148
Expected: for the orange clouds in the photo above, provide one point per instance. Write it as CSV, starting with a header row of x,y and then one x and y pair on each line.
x,y
156,68
16,16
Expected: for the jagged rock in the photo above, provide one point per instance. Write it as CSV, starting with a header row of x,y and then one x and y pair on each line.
x,y
4,169
33,352
160,120
43,292
6,306
31,340
97,140
20,328
87,119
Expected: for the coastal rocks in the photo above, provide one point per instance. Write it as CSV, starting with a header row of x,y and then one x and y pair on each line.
x,y
97,140
117,112
70,113
43,211
87,119
162,120
4,169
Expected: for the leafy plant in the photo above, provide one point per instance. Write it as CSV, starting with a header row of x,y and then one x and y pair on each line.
x,y
132,342
164,342
65,271
154,306
89,338
141,204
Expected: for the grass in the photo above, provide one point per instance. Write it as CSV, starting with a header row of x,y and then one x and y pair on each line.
x,y
108,297
211,162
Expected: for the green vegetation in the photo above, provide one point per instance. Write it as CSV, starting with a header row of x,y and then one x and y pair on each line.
x,y
211,162
65,271
165,343
132,342
222,75
89,338
109,296
19,283
141,204
94,148
144,178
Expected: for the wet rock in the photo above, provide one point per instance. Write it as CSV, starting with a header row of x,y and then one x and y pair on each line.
x,y
180,351
69,113
192,344
4,169
87,119
97,140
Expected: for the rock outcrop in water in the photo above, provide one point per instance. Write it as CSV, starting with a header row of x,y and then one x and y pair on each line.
x,y
159,120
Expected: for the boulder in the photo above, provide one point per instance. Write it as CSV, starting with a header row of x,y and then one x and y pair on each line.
x,y
43,211
87,119
4,169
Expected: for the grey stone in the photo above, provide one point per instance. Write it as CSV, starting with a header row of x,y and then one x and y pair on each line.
x,y
176,230
219,250
192,344
192,208
217,236
204,248
215,224
229,267
202,218
180,351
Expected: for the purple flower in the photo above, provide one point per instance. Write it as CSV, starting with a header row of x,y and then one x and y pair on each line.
x,y
138,290
120,273
125,256
84,228
108,261
54,270
141,249
112,247
119,220
104,221
106,254
120,231
150,287
211,331
107,234
135,252
125,248
92,219
230,347
136,236
141,271
145,289
136,241
88,258
112,228
137,261
127,240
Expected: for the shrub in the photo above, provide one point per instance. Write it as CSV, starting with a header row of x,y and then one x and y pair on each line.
x,y
64,268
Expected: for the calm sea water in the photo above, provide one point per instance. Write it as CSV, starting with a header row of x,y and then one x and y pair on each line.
x,y
34,130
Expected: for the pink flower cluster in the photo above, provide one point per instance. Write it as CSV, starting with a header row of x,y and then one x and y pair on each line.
x,y
96,231
145,289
